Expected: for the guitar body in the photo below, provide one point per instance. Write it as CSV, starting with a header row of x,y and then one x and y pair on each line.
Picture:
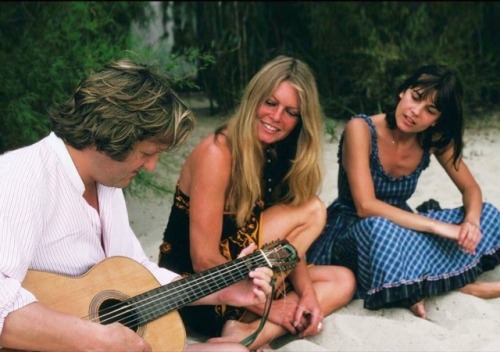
x,y
114,279
119,289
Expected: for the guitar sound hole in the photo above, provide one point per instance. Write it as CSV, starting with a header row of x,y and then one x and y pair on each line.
x,y
113,310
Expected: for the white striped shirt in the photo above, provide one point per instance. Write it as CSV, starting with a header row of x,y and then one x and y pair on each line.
x,y
46,224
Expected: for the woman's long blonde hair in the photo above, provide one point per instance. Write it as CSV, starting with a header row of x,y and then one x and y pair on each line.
x,y
306,173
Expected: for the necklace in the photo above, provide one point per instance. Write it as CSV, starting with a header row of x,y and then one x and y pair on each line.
x,y
393,141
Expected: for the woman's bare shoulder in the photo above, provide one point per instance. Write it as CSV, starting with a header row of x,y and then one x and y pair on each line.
x,y
358,125
213,144
212,151
209,160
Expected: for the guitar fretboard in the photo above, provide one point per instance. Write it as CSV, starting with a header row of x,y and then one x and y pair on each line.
x,y
157,302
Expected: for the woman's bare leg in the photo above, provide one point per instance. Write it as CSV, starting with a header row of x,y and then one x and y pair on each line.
x,y
300,225
482,289
335,286
479,289
215,347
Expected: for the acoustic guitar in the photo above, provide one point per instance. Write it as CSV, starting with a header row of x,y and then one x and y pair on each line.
x,y
120,289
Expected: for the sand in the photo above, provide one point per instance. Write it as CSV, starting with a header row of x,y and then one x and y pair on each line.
x,y
457,322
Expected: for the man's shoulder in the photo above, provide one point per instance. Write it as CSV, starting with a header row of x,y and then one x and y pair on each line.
x,y
26,164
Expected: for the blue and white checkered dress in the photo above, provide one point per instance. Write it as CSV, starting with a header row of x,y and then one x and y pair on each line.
x,y
395,266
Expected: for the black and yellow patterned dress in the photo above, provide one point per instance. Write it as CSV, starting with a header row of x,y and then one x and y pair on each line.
x,y
174,251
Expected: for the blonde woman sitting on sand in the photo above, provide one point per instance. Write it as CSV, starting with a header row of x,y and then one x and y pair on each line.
x,y
255,181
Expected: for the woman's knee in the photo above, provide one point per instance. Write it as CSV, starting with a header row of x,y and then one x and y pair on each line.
x,y
340,278
336,287
347,280
344,281
316,211
300,225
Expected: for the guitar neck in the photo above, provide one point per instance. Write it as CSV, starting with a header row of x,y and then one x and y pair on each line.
x,y
120,289
164,299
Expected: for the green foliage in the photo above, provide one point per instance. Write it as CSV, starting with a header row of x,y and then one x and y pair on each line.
x,y
368,47
330,126
241,36
45,48
145,182
359,50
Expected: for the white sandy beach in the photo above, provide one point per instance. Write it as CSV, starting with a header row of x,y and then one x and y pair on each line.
x,y
457,322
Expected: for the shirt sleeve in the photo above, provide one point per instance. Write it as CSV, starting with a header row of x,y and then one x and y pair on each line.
x,y
19,224
12,297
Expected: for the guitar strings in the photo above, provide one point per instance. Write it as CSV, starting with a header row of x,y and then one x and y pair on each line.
x,y
127,307
125,310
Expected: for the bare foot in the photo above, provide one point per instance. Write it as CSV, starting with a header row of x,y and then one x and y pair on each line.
x,y
419,310
236,331
234,328
482,289
266,347
221,340
219,347
233,331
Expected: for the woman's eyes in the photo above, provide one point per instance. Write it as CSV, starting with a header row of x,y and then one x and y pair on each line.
x,y
418,97
293,113
432,110
273,103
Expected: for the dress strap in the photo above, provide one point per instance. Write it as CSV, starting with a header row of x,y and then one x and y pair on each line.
x,y
375,160
373,134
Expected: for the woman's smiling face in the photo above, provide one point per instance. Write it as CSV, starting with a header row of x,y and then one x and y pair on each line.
x,y
278,115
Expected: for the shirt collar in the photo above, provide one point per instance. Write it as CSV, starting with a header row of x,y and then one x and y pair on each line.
x,y
68,165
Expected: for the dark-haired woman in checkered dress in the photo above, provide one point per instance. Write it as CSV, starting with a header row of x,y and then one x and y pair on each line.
x,y
399,256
